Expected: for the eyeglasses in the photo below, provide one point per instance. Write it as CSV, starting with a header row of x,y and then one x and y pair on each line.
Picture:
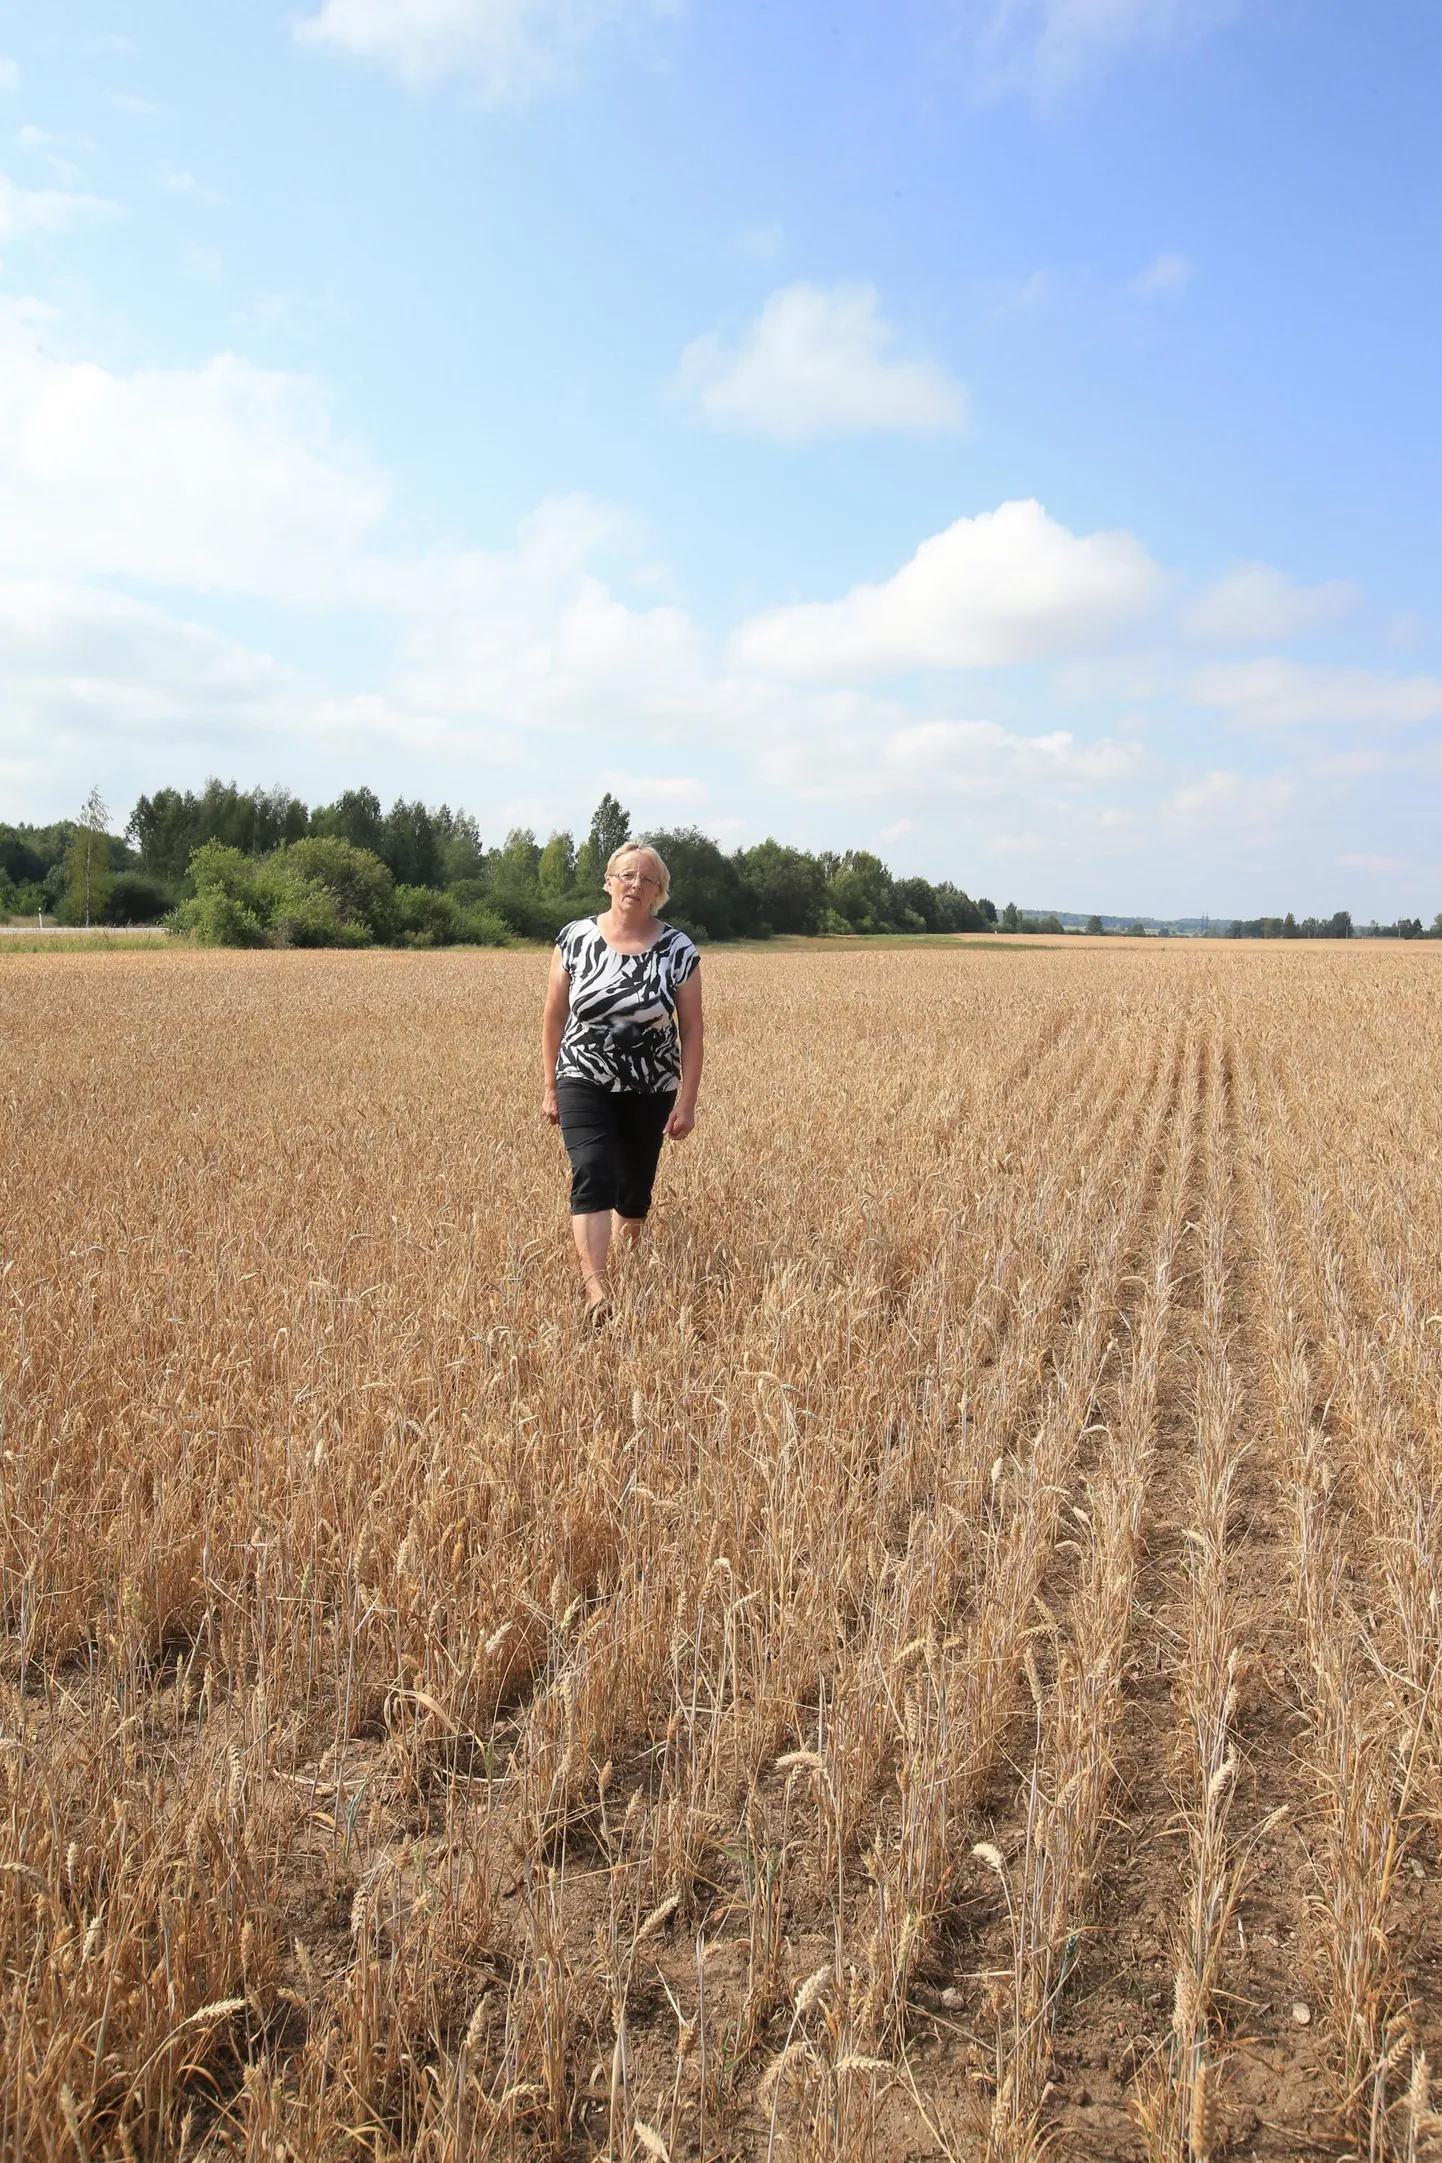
x,y
626,878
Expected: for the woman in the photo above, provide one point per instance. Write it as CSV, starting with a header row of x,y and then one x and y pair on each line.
x,y
620,1056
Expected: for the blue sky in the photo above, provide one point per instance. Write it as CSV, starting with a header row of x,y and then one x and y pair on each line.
x,y
1000,433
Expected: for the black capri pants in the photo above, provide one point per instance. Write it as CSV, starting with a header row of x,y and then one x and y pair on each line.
x,y
613,1139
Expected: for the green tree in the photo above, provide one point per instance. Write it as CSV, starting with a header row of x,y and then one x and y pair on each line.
x,y
918,897
458,842
168,827
861,890
162,828
356,817
956,911
789,886
1095,927
556,871
709,892
590,869
1011,917
87,870
610,828
516,867
409,845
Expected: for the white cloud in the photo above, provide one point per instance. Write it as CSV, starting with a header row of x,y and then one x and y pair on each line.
x,y
1228,800
78,662
1362,860
225,478
818,362
1281,694
545,659
9,74
1008,586
125,101
509,49
181,183
982,756
1045,48
1166,273
1021,296
51,150
24,211
1254,603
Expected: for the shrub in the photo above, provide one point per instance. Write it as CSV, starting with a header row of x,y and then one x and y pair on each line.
x,y
425,917
136,898
481,927
332,895
358,882
303,913
532,916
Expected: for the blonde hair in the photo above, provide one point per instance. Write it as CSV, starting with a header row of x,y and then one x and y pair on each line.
x,y
643,848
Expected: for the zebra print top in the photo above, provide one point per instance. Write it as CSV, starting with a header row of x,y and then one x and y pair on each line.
x,y
621,1030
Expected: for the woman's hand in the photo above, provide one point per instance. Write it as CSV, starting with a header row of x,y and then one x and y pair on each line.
x,y
550,1109
681,1121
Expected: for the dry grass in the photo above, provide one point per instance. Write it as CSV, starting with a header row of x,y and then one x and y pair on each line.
x,y
947,1674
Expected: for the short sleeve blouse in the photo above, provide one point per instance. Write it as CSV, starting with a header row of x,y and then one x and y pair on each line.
x,y
620,1034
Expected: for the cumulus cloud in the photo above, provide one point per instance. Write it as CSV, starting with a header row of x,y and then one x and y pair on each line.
x,y
1009,585
1282,694
818,361
509,50
1228,800
982,756
9,74
225,477
548,655
533,635
1166,273
85,669
178,182
1254,603
1045,48
24,211
52,151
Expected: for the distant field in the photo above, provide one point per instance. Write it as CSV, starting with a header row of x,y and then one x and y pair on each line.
x,y
26,939
953,1672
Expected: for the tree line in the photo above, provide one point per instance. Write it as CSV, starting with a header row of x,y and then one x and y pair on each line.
x,y
232,866
1339,926
260,867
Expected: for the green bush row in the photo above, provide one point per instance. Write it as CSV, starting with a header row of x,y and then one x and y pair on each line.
x,y
321,892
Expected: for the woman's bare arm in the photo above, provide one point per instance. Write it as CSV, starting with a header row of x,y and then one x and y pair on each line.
x,y
553,1022
691,1030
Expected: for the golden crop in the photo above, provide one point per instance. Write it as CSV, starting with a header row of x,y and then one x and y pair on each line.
x,y
953,1671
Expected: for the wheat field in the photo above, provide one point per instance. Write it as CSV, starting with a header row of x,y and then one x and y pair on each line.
x,y
952,1673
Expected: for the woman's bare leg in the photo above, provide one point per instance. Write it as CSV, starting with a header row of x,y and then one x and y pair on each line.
x,y
628,1229
592,1234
